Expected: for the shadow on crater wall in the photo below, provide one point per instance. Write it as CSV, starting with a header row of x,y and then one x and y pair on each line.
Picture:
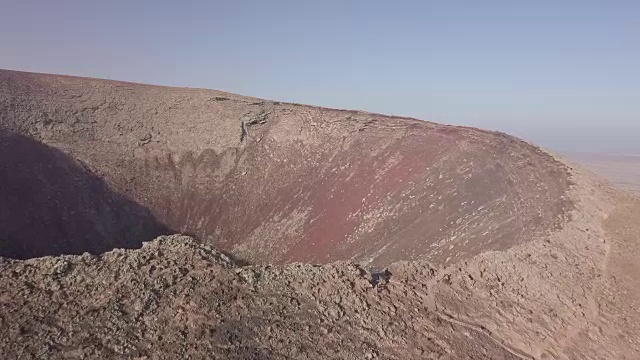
x,y
52,205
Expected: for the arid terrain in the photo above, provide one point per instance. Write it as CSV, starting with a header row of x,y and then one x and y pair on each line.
x,y
151,222
622,170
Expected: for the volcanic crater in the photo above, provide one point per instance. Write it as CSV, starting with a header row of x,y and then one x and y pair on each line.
x,y
90,165
352,235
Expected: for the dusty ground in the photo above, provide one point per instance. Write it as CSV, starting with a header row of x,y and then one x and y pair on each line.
x,y
494,248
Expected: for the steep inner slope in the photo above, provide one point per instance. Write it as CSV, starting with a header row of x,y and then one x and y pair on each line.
x,y
266,181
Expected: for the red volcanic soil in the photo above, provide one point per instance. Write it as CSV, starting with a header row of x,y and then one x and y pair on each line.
x,y
266,181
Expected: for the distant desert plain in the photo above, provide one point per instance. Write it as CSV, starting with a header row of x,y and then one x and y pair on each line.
x,y
623,170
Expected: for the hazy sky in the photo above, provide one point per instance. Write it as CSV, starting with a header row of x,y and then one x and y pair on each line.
x,y
564,74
